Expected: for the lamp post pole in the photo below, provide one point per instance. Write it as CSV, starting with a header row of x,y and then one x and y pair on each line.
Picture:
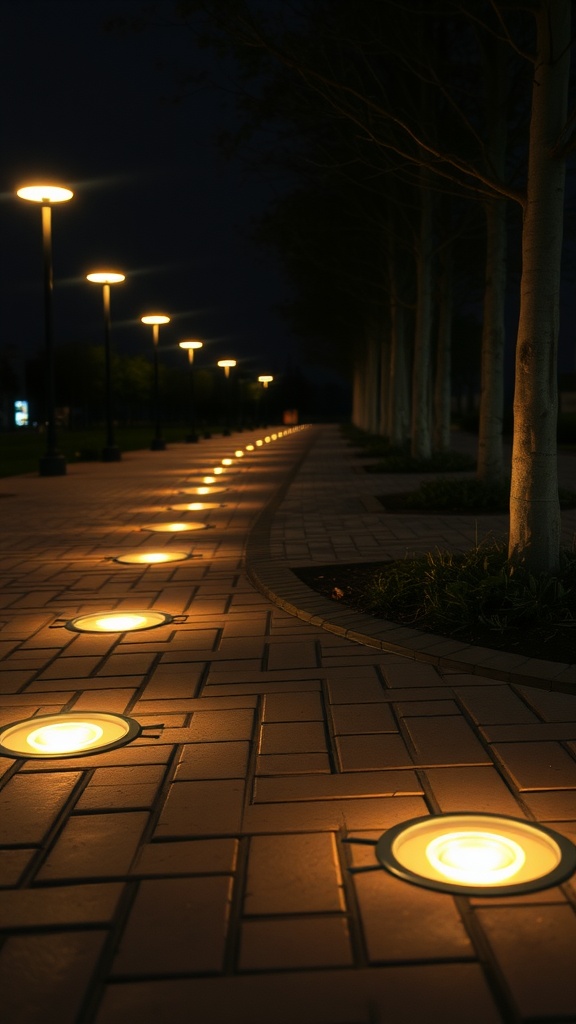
x,y
52,463
155,319
111,451
190,347
227,364
264,379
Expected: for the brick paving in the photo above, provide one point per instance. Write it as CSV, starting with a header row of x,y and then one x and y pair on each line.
x,y
198,873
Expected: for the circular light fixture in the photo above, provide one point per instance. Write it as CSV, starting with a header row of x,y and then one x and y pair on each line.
x,y
227,462
118,622
259,443
151,557
174,527
106,277
45,193
218,470
190,344
155,319
67,734
267,440
249,447
202,491
208,479
195,506
476,854
239,453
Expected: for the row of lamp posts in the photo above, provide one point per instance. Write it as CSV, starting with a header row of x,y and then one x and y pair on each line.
x,y
53,463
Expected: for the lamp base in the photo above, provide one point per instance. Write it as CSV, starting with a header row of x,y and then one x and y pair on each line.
x,y
52,465
111,453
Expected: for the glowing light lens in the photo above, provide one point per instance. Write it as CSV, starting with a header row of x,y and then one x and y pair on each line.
x,y
249,447
45,193
274,437
63,737
218,470
267,440
480,858
227,462
259,443
208,480
118,622
151,557
106,277
195,506
174,527
239,454
155,318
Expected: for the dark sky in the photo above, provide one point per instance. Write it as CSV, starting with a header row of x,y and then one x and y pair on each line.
x,y
154,197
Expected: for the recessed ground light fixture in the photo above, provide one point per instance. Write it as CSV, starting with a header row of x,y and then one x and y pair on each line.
x,y
249,447
227,462
474,854
208,479
152,557
195,506
174,527
118,622
218,470
203,491
67,734
267,440
239,453
274,437
259,443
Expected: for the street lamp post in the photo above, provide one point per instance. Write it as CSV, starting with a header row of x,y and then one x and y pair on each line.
x,y
264,379
190,347
52,463
111,451
155,319
226,365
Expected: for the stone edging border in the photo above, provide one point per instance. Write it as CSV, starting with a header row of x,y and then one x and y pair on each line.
x,y
278,583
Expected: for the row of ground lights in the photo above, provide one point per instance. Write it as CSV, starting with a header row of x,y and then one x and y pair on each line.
x,y
464,853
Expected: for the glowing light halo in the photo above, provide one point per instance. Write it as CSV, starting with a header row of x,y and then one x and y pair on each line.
x,y
249,447
203,491
239,453
118,621
67,734
106,277
227,462
155,319
476,854
196,506
151,557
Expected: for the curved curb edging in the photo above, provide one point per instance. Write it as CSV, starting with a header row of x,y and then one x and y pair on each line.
x,y
278,584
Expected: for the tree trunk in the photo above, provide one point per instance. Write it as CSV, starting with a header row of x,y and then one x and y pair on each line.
x,y
490,450
534,509
443,379
421,435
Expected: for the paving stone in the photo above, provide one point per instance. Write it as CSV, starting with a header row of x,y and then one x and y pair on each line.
x,y
445,740
202,808
112,701
552,707
454,992
354,689
13,863
297,707
552,805
113,798
190,857
381,750
30,805
334,787
331,815
61,905
174,681
472,789
47,974
410,674
538,765
213,761
535,951
126,664
293,874
298,942
95,846
403,922
292,764
292,737
418,708
362,718
523,733
131,755
221,725
283,655
176,926
494,704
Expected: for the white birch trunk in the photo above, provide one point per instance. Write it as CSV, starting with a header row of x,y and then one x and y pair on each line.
x,y
534,510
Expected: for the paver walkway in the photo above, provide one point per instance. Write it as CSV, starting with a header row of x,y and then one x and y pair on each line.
x,y
198,874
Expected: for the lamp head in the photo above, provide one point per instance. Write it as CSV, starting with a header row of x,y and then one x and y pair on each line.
x,y
105,277
155,318
45,193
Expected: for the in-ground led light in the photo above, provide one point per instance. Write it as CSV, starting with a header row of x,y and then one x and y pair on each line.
x,y
118,621
475,854
67,734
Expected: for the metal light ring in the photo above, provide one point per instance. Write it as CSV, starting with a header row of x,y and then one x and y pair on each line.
x,y
75,627
133,731
564,869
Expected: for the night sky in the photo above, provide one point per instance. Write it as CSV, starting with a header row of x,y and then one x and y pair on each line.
x,y
154,198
